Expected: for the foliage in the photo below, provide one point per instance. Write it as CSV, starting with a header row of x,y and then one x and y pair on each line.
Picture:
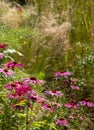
x,y
32,103
49,36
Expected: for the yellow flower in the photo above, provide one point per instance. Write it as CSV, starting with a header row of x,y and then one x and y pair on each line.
x,y
24,42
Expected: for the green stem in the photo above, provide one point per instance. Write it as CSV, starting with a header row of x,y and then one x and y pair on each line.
x,y
27,121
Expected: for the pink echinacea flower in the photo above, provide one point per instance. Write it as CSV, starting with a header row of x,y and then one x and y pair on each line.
x,y
12,65
62,73
47,106
33,80
6,72
71,105
87,102
61,122
3,46
74,87
54,93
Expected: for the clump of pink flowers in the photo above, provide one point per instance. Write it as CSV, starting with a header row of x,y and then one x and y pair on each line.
x,y
71,105
12,65
23,91
87,102
17,89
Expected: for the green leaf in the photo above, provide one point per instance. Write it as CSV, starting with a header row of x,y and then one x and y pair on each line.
x,y
38,124
21,103
52,125
21,115
40,75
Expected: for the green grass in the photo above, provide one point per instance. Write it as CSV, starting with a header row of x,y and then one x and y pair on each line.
x,y
15,38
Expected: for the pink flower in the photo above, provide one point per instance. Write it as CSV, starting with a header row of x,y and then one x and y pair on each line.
x,y
47,106
8,86
90,104
1,56
34,98
12,85
74,87
61,122
12,65
68,105
21,89
71,105
12,96
33,80
32,91
71,117
56,104
83,103
54,92
81,118
3,46
86,102
62,73
6,72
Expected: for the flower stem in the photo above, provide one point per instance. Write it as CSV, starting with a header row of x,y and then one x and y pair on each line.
x,y
27,121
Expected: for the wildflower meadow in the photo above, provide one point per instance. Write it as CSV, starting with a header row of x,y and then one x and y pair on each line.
x,y
46,65
29,103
